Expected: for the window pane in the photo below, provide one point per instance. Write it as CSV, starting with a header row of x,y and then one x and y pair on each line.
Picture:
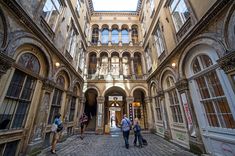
x,y
10,149
53,18
105,36
57,4
180,14
6,112
16,84
115,36
28,88
210,113
125,37
20,114
206,61
104,65
214,84
202,87
95,35
115,65
47,9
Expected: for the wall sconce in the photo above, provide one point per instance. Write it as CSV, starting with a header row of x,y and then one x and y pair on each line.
x,y
173,64
57,64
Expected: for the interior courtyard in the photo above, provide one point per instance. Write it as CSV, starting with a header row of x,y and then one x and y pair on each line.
x,y
168,63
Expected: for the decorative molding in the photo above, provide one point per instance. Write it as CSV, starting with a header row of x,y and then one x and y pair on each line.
x,y
227,63
48,85
182,85
5,63
114,13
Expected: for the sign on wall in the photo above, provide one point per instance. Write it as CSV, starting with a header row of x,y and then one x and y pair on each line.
x,y
115,98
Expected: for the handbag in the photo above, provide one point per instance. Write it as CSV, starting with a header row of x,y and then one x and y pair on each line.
x,y
60,127
54,127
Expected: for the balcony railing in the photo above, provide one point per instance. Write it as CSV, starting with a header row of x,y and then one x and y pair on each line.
x,y
116,77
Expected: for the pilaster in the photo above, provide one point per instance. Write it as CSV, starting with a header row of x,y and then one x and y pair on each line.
x,y
5,63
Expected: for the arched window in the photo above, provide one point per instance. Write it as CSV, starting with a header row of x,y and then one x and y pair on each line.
x,y
73,104
15,106
126,65
57,98
105,36
138,65
104,65
115,65
134,34
212,97
125,38
174,100
114,36
29,62
92,64
95,35
148,58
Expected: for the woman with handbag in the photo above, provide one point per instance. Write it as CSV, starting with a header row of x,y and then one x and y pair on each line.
x,y
56,129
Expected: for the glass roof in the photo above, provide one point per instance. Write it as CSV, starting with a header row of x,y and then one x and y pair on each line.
x,y
115,5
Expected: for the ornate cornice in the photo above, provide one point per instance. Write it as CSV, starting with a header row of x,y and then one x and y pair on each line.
x,y
117,48
114,13
5,63
182,85
227,63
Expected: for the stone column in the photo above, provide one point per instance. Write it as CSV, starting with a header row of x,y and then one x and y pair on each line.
x,y
109,65
120,37
151,121
120,67
110,38
99,41
5,63
40,123
98,67
195,140
129,108
130,37
167,130
100,115
132,67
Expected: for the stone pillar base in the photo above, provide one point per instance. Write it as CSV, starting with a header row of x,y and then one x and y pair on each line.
x,y
35,147
99,131
167,135
196,146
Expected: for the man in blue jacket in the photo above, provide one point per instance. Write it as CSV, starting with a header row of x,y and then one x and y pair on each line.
x,y
126,126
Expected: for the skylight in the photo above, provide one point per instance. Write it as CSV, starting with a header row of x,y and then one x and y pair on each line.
x,y
115,5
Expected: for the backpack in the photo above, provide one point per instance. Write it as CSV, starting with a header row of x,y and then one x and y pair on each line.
x,y
60,127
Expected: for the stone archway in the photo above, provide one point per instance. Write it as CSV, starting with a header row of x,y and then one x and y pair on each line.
x,y
91,108
114,108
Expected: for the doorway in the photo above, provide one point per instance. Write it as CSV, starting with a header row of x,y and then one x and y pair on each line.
x,y
115,107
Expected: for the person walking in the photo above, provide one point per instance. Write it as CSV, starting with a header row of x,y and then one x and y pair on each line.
x,y
57,127
126,126
83,122
137,132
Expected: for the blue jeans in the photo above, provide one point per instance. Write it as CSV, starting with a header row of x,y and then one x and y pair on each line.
x,y
126,138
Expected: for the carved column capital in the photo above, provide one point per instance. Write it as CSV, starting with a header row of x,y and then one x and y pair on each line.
x,y
227,63
129,99
182,85
5,63
48,85
160,94
148,100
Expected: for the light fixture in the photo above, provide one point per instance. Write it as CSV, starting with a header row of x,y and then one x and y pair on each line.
x,y
173,64
57,64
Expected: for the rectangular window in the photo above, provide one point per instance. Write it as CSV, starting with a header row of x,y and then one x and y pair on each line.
x,y
72,108
9,149
179,13
51,12
72,40
158,109
78,6
56,105
158,37
175,106
14,108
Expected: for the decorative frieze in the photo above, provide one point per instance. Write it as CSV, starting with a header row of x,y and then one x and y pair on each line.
x,y
182,85
227,63
5,63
